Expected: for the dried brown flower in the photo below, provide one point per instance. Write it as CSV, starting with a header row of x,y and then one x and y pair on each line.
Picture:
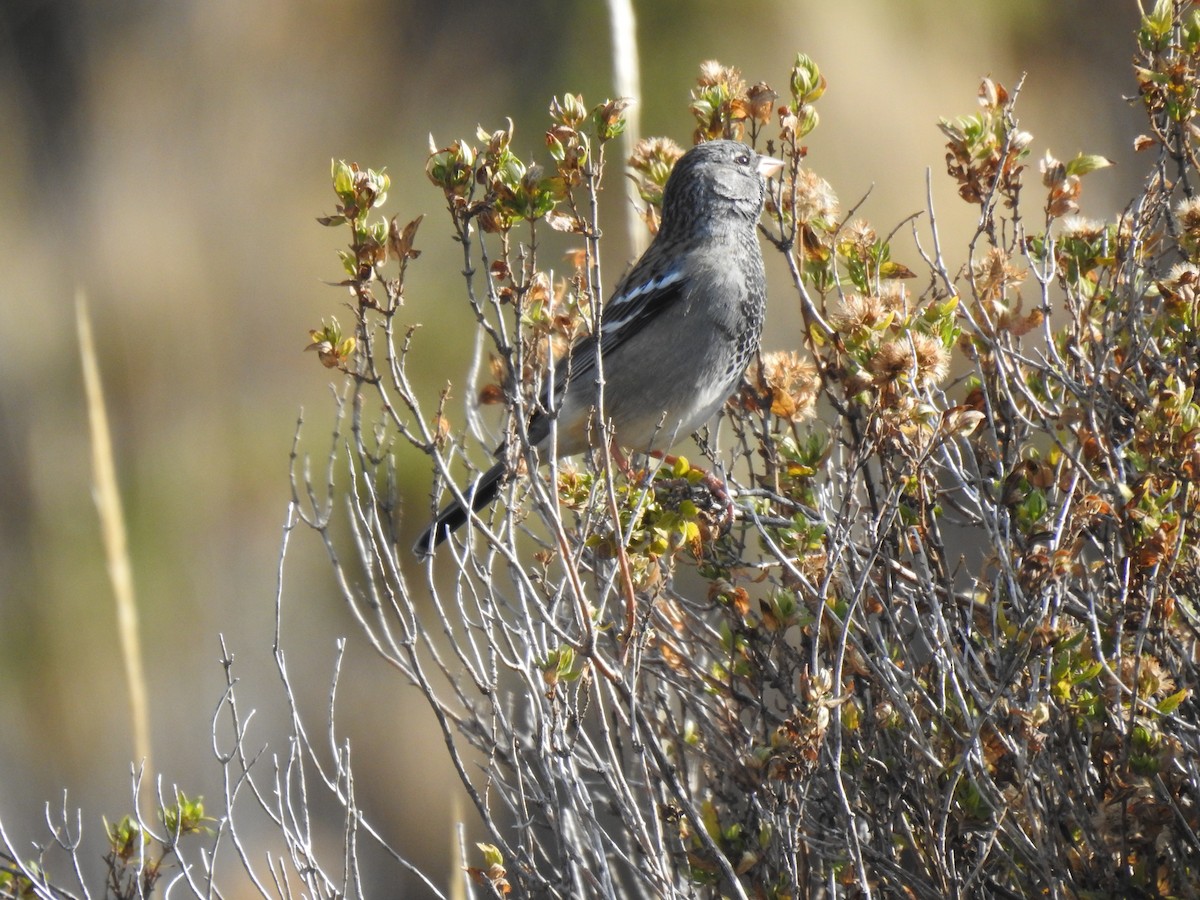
x,y
995,274
1152,678
859,314
760,102
858,237
1082,228
893,295
1188,215
719,102
1063,198
790,382
917,356
713,74
815,201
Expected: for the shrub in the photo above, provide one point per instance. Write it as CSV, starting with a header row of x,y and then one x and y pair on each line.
x,y
947,646
949,643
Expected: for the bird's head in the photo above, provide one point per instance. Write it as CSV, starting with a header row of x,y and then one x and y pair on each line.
x,y
717,179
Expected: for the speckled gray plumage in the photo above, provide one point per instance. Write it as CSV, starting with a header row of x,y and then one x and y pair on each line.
x,y
679,331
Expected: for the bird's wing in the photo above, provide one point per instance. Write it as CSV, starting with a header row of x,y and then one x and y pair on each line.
x,y
642,296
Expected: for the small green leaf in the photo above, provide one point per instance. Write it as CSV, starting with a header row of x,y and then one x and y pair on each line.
x,y
491,854
343,178
1087,162
1087,673
1171,703
807,83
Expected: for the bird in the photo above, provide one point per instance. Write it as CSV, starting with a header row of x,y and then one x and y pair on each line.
x,y
675,337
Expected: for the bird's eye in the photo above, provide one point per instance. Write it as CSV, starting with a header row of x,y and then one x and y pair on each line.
x,y
742,159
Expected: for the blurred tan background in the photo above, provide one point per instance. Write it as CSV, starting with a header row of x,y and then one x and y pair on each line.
x,y
170,159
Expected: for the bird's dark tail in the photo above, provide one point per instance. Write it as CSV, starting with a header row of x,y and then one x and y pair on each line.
x,y
454,516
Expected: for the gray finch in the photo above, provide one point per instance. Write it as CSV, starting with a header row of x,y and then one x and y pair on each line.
x,y
678,333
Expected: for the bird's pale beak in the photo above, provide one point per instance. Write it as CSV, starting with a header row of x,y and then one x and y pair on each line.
x,y
769,166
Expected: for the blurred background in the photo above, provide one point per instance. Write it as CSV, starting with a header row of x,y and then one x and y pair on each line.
x,y
170,159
